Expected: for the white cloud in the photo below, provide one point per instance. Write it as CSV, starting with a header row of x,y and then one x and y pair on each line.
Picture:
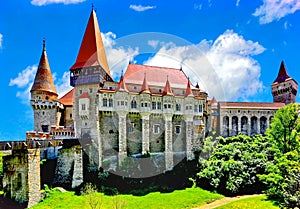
x,y
62,84
46,2
275,10
153,43
237,3
1,39
118,57
221,66
24,82
140,8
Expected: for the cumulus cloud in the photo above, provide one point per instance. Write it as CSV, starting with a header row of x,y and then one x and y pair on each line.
x,y
237,3
224,68
118,57
275,10
46,2
140,8
24,82
1,39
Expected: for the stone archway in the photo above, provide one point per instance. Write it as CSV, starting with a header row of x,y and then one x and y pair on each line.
x,y
244,125
253,126
235,125
225,126
263,124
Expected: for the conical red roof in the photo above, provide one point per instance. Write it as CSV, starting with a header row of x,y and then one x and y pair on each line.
x,y
121,85
43,79
188,91
168,90
145,87
91,52
282,74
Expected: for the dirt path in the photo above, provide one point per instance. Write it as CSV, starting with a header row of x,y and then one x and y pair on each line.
x,y
224,201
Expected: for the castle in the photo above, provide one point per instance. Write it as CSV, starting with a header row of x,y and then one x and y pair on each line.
x,y
150,110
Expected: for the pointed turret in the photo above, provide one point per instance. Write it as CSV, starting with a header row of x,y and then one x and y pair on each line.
x,y
145,87
282,74
168,90
188,91
121,85
284,88
43,85
91,52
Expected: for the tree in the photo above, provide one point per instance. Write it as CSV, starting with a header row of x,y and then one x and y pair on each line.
x,y
282,177
285,128
234,163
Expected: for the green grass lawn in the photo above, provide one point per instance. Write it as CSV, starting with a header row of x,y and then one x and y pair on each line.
x,y
187,198
257,202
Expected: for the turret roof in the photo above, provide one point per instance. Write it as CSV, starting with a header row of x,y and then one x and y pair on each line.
x,y
282,74
145,87
188,91
43,79
122,85
167,90
91,52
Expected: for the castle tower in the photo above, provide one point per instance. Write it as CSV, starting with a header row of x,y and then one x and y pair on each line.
x,y
284,88
44,97
89,72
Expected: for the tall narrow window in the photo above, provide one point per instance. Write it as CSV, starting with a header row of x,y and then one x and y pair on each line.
x,y
104,102
200,108
83,107
133,104
153,105
177,129
156,129
159,105
178,107
110,103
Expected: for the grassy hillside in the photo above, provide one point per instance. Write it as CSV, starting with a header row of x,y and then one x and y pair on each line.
x,y
187,198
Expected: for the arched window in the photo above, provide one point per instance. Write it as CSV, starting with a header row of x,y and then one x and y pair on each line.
x,y
225,126
253,126
263,124
235,125
244,125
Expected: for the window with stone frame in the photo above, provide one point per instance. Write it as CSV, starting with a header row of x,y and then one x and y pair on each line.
x,y
177,129
178,107
110,103
131,127
153,105
83,107
200,108
133,104
156,128
104,101
159,105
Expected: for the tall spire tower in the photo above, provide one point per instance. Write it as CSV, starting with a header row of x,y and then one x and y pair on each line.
x,y
44,97
87,74
284,88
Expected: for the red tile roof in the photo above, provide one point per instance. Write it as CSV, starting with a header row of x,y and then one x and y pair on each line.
x,y
68,98
156,76
84,95
252,105
282,74
91,52
43,79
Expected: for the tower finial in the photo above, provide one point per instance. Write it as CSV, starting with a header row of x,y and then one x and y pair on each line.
x,y
44,44
92,6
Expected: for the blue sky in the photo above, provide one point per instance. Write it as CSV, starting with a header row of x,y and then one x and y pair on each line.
x,y
233,48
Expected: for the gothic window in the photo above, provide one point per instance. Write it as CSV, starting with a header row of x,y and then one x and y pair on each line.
x,y
159,105
156,128
110,103
153,105
133,104
122,103
165,106
178,107
83,107
177,129
104,102
146,104
169,106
